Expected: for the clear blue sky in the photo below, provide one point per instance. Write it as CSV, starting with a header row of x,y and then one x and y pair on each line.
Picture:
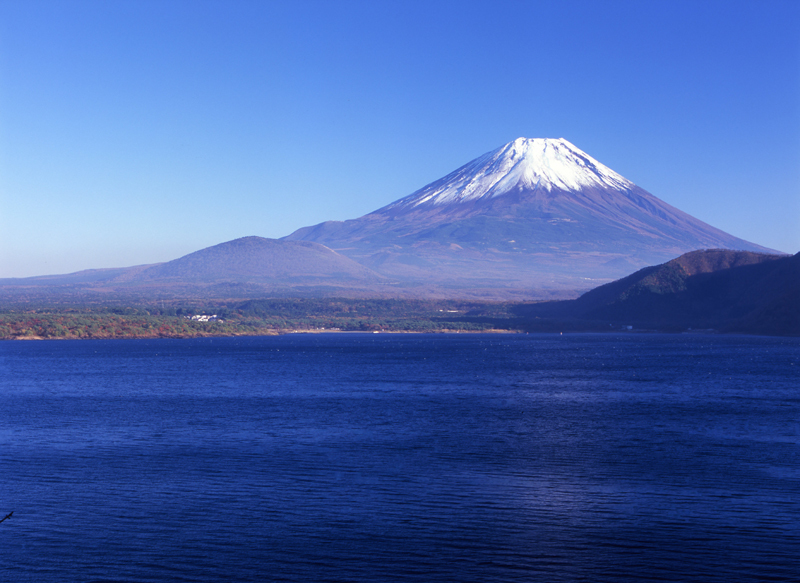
x,y
138,131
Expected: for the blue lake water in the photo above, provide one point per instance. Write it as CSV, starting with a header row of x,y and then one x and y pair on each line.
x,y
371,457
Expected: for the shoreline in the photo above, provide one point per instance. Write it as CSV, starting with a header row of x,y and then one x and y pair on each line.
x,y
708,332
285,332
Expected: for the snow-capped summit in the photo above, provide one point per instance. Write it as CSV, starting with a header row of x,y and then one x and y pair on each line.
x,y
524,164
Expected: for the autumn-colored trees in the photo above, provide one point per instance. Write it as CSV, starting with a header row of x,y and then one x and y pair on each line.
x,y
254,317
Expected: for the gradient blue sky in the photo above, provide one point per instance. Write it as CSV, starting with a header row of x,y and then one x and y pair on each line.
x,y
138,131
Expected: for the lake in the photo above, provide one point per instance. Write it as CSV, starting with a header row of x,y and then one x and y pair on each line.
x,y
383,457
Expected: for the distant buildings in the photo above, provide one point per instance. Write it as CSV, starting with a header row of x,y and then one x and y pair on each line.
x,y
202,317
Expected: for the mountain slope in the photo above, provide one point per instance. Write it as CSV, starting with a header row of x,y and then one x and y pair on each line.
x,y
244,268
537,212
721,289
260,260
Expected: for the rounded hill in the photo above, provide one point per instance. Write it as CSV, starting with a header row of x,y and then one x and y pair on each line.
x,y
261,260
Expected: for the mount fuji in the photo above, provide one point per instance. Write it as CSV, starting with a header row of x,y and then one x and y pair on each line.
x,y
534,219
534,214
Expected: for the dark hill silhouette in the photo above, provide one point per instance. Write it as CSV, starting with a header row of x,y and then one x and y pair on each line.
x,y
731,291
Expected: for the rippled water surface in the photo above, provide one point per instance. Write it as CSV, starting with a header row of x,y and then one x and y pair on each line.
x,y
401,458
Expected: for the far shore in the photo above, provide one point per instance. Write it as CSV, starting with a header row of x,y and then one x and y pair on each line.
x,y
273,333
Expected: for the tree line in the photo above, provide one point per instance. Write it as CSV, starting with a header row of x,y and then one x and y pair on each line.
x,y
254,317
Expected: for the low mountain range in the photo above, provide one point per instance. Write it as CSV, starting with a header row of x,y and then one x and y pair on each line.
x,y
533,219
242,268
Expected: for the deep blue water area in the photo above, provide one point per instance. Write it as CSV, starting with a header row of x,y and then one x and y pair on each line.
x,y
374,457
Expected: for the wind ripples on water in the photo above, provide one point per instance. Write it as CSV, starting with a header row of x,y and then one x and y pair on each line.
x,y
401,458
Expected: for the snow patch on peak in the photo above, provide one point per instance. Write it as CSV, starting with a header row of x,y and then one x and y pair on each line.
x,y
525,163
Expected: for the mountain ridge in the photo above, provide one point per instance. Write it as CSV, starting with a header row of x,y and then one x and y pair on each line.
x,y
259,259
729,291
